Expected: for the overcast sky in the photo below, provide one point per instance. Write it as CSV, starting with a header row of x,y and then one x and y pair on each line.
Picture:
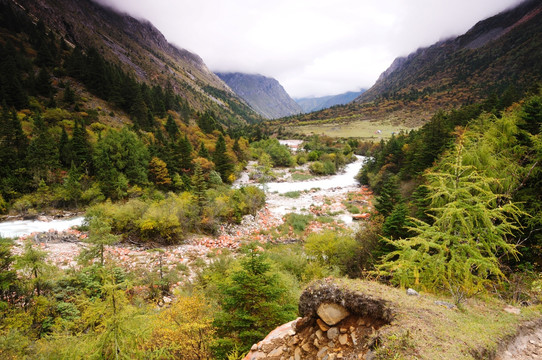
x,y
312,47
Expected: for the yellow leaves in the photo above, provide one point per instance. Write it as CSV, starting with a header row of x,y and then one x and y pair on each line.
x,y
184,330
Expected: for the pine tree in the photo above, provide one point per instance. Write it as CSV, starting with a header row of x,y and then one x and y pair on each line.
x,y
223,163
203,152
389,197
64,149
43,156
185,152
172,128
198,188
80,148
252,304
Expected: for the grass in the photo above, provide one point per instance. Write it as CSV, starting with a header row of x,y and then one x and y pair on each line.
x,y
424,330
366,130
302,177
292,194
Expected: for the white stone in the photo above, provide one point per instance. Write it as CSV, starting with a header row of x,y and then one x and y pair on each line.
x,y
332,313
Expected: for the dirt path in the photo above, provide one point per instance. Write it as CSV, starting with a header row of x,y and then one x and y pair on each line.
x,y
527,346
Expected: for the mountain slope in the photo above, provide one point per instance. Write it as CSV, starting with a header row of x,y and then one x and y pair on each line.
x,y
498,57
324,102
499,52
138,47
265,95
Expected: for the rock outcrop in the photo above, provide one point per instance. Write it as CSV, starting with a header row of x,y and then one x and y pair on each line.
x,y
336,324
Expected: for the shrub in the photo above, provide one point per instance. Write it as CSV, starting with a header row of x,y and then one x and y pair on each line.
x,y
332,249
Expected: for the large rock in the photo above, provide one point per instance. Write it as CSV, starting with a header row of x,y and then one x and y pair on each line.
x,y
332,313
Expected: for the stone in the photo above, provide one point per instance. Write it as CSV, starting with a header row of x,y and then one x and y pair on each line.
x,y
361,322
343,330
322,325
306,347
332,313
276,352
332,333
319,334
352,329
370,355
412,292
297,354
254,347
512,310
295,340
316,343
321,353
257,355
354,339
343,339
445,304
302,323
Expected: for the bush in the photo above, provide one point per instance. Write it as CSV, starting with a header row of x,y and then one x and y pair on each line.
x,y
332,249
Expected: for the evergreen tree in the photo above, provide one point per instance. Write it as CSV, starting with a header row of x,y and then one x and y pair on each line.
x,y
185,152
80,148
69,95
198,187
223,163
43,156
72,187
99,237
203,152
8,276
389,197
64,149
32,262
43,83
252,305
172,128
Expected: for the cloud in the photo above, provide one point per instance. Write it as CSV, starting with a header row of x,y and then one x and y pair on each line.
x,y
313,47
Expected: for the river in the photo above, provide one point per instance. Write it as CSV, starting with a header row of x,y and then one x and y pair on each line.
x,y
279,205
11,229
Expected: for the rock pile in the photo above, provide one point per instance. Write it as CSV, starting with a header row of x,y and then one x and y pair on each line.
x,y
336,324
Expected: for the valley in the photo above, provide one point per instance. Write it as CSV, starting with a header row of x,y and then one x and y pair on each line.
x,y
156,208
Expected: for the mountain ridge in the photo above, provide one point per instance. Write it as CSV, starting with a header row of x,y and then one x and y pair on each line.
x,y
139,47
263,94
323,102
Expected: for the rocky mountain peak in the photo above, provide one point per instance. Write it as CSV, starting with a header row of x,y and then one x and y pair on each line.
x,y
264,94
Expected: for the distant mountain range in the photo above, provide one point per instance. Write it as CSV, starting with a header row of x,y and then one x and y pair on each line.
x,y
263,94
318,103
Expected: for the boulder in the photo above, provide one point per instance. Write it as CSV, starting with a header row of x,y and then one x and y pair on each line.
x,y
332,313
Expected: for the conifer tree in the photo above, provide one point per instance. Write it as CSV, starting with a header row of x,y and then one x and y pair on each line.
x,y
252,304
223,163
198,187
43,151
172,128
460,252
203,152
159,174
185,152
389,197
99,237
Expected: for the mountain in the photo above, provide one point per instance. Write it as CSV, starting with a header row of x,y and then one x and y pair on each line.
x,y
265,95
499,53
139,48
497,58
324,102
